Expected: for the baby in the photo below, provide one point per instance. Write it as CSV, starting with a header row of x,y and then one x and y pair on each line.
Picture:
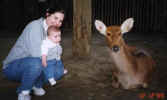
x,y
52,41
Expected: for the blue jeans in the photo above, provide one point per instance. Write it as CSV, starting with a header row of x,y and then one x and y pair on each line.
x,y
54,69
29,71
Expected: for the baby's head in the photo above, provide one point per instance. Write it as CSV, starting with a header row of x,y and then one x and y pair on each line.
x,y
54,34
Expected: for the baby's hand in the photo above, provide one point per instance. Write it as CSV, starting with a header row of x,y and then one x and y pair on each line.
x,y
44,64
44,61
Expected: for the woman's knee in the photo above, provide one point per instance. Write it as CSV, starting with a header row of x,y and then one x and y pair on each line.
x,y
34,62
34,65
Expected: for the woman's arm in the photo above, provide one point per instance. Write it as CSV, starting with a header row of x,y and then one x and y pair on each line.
x,y
33,40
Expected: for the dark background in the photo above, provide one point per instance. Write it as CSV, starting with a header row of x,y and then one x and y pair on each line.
x,y
15,14
150,15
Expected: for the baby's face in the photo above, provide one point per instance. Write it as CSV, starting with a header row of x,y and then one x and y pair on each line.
x,y
55,37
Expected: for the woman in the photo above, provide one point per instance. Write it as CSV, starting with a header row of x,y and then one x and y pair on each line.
x,y
23,62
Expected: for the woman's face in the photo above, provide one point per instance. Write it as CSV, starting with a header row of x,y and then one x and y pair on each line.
x,y
55,19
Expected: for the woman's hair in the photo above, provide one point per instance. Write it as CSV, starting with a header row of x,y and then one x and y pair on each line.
x,y
52,10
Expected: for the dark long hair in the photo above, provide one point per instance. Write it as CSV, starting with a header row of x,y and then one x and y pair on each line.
x,y
52,10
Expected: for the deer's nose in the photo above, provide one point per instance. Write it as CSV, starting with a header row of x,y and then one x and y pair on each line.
x,y
115,48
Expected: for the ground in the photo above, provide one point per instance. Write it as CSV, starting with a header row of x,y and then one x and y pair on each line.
x,y
90,79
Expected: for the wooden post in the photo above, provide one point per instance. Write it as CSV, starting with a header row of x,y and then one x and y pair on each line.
x,y
81,28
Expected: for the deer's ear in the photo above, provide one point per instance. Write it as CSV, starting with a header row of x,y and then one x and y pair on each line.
x,y
127,25
100,26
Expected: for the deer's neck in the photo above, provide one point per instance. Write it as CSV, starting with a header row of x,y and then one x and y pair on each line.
x,y
123,59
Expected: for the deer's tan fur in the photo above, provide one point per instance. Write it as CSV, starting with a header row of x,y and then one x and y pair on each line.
x,y
133,67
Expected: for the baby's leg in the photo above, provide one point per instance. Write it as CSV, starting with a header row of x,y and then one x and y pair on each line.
x,y
59,70
49,73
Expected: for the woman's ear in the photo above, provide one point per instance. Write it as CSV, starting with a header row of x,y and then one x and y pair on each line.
x,y
47,14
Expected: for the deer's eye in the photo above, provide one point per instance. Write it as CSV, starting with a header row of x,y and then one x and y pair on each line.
x,y
119,33
108,34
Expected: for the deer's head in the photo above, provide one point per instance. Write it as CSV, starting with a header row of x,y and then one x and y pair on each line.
x,y
114,33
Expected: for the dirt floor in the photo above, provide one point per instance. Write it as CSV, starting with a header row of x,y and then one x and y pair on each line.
x,y
90,79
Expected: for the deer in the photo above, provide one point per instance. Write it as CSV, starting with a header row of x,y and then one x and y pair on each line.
x,y
133,67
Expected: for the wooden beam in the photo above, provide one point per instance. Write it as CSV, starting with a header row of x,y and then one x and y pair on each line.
x,y
81,43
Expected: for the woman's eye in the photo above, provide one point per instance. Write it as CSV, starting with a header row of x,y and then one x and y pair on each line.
x,y
56,18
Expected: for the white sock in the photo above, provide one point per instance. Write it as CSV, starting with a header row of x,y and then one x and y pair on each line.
x,y
52,81
65,71
25,92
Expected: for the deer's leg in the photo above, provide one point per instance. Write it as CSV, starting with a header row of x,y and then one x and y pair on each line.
x,y
115,82
145,85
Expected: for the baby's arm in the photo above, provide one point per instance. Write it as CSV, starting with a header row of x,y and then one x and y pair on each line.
x,y
44,52
44,60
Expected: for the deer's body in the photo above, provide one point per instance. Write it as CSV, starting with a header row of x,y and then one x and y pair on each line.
x,y
133,67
